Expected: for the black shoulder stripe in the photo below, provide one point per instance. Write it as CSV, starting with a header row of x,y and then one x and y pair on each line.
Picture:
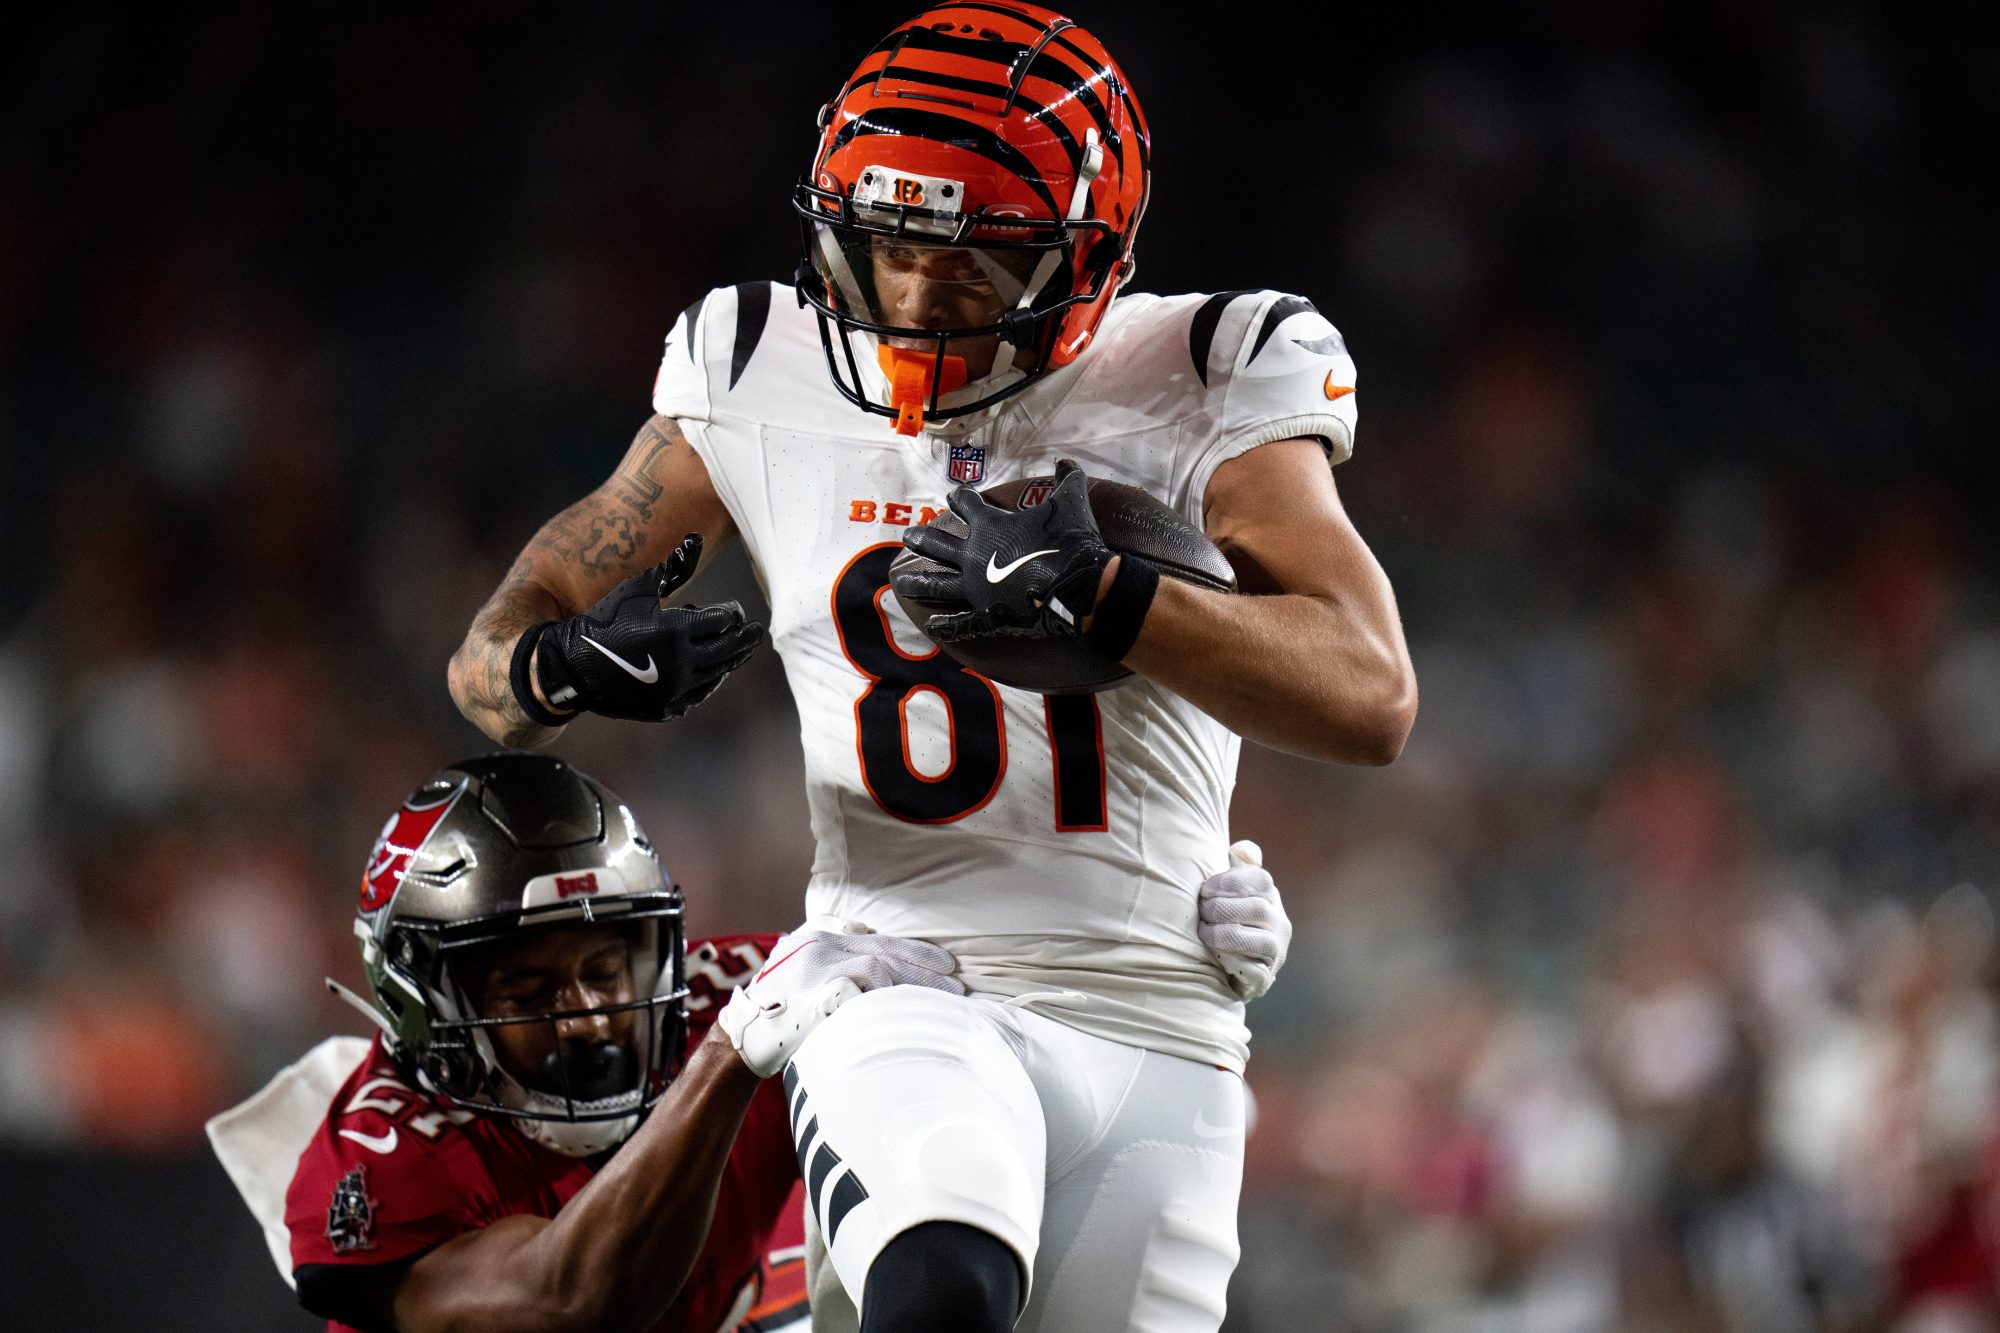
x,y
753,308
953,130
1201,332
1281,310
690,320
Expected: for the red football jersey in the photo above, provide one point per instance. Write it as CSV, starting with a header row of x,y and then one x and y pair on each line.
x,y
393,1172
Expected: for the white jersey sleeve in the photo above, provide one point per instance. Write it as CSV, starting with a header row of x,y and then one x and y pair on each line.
x,y
702,376
1281,371
680,390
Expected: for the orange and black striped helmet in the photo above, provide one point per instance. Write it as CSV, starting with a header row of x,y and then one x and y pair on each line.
x,y
996,151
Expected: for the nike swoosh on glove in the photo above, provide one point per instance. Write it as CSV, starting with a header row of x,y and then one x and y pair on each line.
x,y
1029,572
1243,923
631,657
813,971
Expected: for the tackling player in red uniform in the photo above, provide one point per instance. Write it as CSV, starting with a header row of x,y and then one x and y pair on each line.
x,y
465,1168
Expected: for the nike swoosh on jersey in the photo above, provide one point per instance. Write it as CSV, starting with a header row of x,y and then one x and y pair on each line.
x,y
998,573
1336,390
382,1143
645,677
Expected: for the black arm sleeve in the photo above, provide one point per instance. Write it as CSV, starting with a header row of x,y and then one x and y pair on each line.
x,y
359,1295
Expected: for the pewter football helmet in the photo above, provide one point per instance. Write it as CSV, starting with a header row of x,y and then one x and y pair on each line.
x,y
482,851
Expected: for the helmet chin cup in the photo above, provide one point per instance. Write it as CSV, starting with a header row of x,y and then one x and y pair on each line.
x,y
916,379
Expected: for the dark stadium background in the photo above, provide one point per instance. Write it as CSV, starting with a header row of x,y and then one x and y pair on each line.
x,y
1651,989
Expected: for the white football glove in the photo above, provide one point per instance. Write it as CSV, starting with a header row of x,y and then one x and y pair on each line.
x,y
1243,922
813,971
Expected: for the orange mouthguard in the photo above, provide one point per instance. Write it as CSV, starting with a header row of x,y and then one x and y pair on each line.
x,y
910,382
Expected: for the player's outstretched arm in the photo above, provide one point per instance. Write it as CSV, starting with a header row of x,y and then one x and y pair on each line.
x,y
659,493
1318,666
618,1253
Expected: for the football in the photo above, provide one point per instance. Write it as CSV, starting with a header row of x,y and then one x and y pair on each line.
x,y
1132,522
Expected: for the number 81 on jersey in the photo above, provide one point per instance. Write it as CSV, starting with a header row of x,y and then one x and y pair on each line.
x,y
977,727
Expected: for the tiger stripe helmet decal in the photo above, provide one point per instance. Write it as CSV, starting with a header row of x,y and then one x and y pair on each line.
x,y
997,125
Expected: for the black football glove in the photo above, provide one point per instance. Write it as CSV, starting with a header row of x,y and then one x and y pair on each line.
x,y
630,657
1030,572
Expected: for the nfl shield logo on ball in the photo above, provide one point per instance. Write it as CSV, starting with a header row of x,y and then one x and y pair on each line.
x,y
968,464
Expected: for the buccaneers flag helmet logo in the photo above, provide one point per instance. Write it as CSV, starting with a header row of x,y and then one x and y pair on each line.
x,y
401,838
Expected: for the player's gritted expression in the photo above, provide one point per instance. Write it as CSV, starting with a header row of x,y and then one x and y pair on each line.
x,y
924,286
557,970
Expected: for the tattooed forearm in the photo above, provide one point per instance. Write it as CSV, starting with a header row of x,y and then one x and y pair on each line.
x,y
659,492
609,544
480,673
634,483
598,540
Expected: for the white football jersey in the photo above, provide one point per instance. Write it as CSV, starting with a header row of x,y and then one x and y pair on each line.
x,y
1054,844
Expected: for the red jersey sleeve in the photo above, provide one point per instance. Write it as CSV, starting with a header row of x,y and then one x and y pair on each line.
x,y
386,1177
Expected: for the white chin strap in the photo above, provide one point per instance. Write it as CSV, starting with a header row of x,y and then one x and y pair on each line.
x,y
571,1138
1079,199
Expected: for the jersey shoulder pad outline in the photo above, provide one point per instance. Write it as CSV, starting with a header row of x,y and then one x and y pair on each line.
x,y
1244,322
722,330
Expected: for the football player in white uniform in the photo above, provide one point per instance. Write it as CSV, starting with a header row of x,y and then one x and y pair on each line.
x,y
1064,1145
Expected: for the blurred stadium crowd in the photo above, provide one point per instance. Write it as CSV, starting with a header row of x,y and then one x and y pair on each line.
x,y
1653,988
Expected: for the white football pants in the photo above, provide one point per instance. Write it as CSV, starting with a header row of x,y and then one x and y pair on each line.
x,y
1111,1171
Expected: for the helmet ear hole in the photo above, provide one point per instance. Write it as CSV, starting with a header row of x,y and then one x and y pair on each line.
x,y
452,1070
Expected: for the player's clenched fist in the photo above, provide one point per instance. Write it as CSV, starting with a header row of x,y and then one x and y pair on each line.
x,y
812,972
1243,921
631,657
1031,572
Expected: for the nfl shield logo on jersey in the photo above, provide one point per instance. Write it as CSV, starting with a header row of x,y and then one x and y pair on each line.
x,y
968,464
